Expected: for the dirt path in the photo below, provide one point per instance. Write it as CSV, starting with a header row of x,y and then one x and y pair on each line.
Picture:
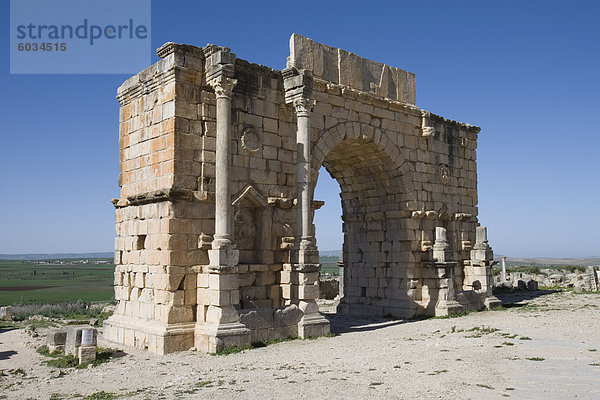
x,y
548,348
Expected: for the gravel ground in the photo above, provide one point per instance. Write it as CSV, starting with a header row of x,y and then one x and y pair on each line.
x,y
543,346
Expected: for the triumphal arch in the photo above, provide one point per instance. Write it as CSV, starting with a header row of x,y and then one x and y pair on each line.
x,y
219,159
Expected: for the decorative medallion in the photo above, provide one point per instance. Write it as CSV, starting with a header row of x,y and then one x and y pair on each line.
x,y
251,141
444,174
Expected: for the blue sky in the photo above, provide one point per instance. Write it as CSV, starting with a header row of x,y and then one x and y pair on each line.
x,y
525,71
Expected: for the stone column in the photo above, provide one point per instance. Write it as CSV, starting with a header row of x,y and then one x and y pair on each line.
x,y
220,326
443,259
305,265
441,248
503,274
223,86
305,239
220,77
482,260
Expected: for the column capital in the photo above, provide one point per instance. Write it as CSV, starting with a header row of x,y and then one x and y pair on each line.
x,y
303,106
220,66
223,85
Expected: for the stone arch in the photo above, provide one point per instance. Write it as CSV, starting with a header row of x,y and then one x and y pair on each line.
x,y
349,130
377,194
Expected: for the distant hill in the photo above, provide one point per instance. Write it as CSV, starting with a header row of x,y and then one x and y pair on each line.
x,y
553,261
323,253
329,253
42,256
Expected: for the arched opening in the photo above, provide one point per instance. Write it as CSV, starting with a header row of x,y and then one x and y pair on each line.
x,y
376,252
328,233
328,222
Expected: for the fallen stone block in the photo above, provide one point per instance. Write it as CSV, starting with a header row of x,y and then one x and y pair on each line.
x,y
258,318
52,348
86,354
78,335
287,316
56,337
556,278
73,339
532,285
6,313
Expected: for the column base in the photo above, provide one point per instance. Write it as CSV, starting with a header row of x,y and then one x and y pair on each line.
x,y
492,302
304,256
214,338
447,307
225,257
313,325
153,336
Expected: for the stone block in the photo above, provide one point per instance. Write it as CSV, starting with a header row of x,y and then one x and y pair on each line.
x,y
53,348
265,278
308,291
220,297
256,319
223,257
258,267
274,292
217,315
56,337
308,278
177,314
89,336
287,316
86,354
202,280
74,338
223,281
247,279
169,281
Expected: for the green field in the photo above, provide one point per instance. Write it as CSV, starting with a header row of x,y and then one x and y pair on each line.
x,y
24,282
329,265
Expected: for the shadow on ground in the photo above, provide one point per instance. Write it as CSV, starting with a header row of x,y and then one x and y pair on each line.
x,y
118,354
509,298
7,328
5,355
344,324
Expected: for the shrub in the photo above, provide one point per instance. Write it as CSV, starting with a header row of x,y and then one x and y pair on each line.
x,y
66,310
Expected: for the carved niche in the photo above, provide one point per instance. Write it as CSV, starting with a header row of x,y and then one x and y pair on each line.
x,y
249,225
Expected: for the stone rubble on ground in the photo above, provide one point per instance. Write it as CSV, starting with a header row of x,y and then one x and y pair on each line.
x,y
552,278
6,313
77,340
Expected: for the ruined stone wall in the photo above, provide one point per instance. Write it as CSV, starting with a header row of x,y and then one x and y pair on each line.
x,y
397,186
155,244
403,173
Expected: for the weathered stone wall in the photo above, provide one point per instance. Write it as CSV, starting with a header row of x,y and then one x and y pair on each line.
x,y
389,171
407,177
348,69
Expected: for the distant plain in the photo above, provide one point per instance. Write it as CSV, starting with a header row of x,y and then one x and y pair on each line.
x,y
26,282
